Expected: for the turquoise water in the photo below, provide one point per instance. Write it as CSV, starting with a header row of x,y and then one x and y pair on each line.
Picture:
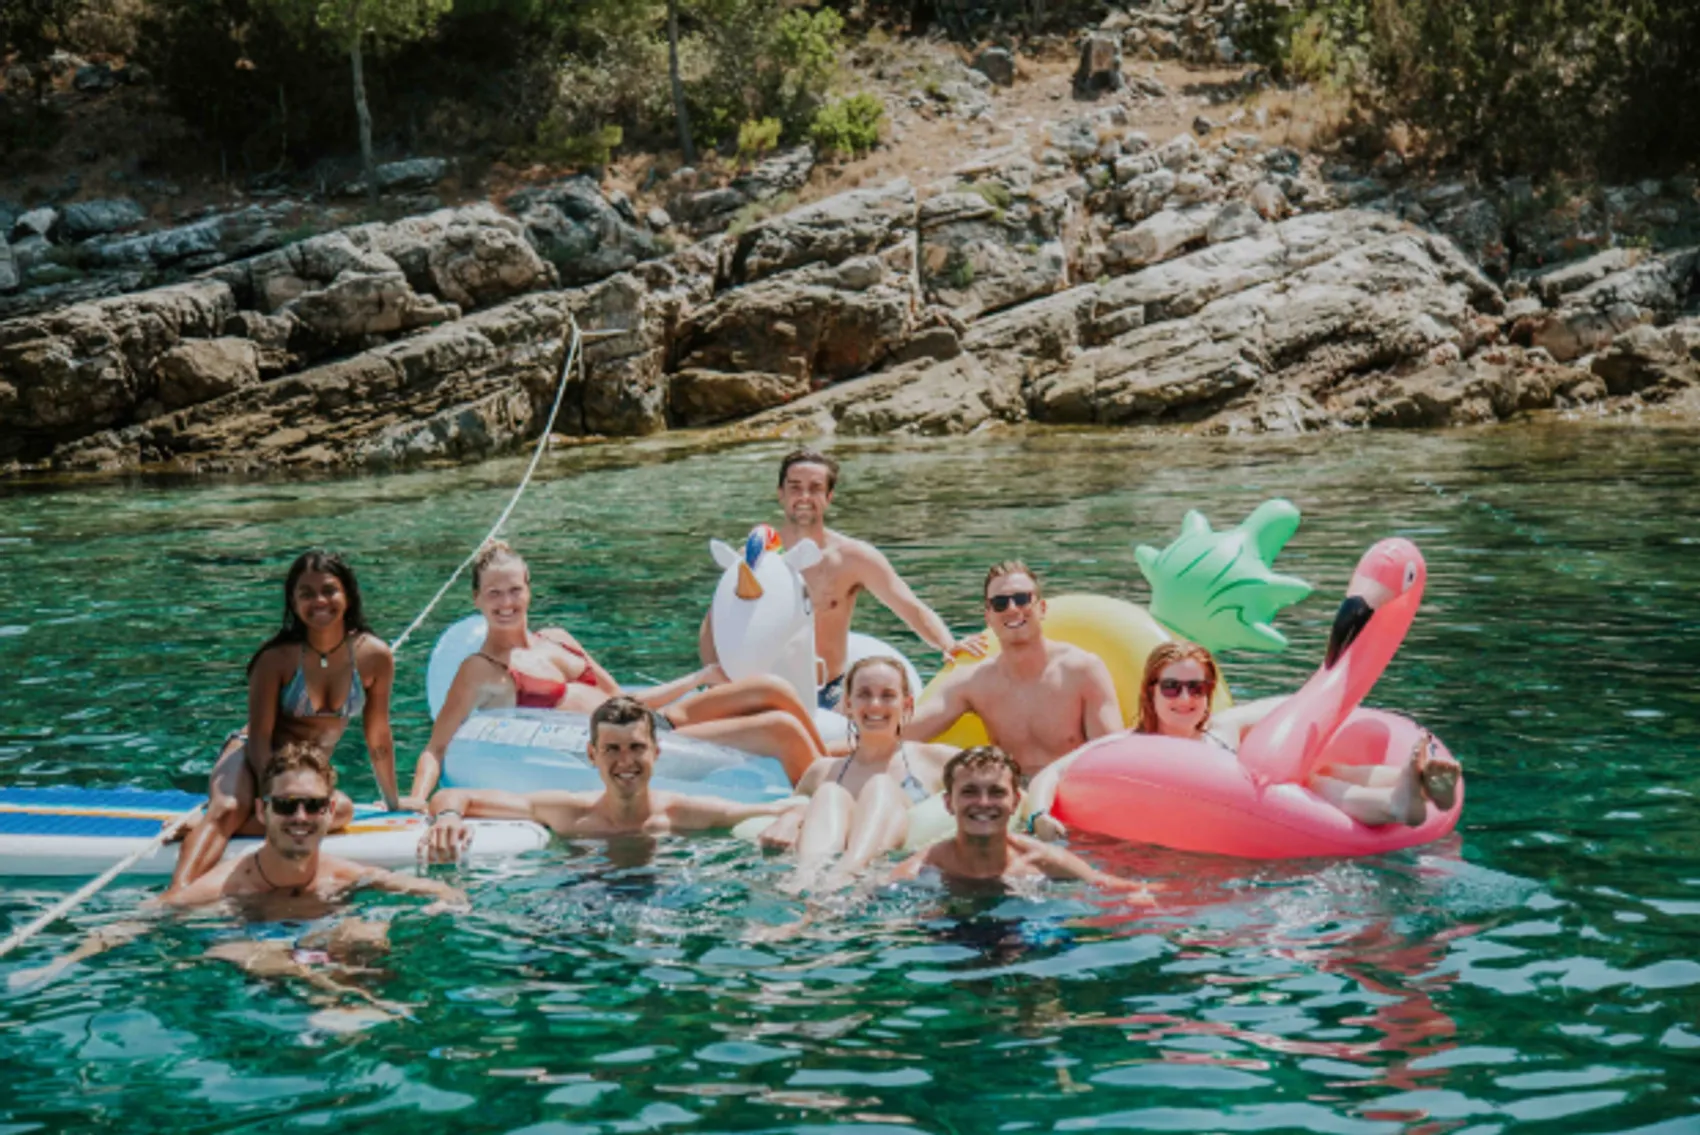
x,y
1537,972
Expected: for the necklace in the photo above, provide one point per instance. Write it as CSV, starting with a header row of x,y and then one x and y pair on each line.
x,y
260,867
325,655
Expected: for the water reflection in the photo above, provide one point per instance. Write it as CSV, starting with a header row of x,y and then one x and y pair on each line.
x,y
1537,969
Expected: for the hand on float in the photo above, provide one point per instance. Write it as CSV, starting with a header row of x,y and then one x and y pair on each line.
x,y
446,840
974,646
781,835
1048,828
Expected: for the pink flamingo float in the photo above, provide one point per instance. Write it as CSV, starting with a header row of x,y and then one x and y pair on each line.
x,y
1196,796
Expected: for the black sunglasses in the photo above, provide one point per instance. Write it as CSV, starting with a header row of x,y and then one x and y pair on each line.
x,y
1172,687
1001,603
289,805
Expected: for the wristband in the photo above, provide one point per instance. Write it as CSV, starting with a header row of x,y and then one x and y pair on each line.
x,y
1033,821
446,812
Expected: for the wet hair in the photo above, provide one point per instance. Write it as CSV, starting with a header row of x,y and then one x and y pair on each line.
x,y
294,630
297,756
495,553
1011,567
979,757
809,457
1167,654
877,660
621,710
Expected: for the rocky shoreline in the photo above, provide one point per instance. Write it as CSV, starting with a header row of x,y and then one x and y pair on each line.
x,y
1088,274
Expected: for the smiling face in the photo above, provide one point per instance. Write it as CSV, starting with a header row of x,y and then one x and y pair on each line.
x,y
805,493
504,595
982,798
319,600
292,831
1023,609
625,756
1181,698
878,705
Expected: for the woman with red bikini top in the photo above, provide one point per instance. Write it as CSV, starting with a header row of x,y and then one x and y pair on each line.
x,y
549,670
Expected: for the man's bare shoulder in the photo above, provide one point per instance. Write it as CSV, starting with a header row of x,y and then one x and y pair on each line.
x,y
209,888
1076,661
853,553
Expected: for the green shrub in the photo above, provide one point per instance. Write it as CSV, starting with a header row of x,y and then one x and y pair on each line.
x,y
959,271
558,145
757,137
848,126
758,211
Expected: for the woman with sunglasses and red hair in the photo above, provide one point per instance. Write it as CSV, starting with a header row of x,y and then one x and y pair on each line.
x,y
1174,701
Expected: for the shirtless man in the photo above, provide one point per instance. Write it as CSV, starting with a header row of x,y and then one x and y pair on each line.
x,y
1040,699
286,878
623,749
982,791
294,807
847,567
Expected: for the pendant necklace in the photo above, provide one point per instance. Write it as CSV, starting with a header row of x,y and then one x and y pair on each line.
x,y
325,656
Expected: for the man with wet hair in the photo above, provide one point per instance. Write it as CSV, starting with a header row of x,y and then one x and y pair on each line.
x,y
1040,699
623,749
848,567
982,789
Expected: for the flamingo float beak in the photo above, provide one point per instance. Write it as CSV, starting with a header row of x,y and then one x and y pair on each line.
x,y
1365,595
1354,615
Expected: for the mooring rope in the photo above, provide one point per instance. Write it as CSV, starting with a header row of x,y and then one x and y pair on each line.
x,y
89,889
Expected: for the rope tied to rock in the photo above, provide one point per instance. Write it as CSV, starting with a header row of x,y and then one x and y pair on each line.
x,y
570,355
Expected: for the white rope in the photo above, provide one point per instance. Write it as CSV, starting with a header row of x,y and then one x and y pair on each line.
x,y
536,456
89,889
83,893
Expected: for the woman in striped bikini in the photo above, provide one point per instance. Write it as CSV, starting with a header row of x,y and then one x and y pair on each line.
x,y
323,669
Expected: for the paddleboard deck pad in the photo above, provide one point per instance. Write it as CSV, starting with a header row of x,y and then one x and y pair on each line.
x,y
84,831
530,750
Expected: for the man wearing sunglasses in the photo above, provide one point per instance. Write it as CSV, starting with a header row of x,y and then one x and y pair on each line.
x,y
1039,699
294,806
623,749
285,878
848,567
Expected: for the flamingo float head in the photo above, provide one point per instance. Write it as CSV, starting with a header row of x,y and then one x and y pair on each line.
x,y
1388,582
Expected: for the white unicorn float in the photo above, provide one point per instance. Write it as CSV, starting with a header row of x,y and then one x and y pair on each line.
x,y
764,623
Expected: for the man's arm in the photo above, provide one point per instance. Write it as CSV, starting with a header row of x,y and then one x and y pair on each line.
x,y
448,837
883,582
948,703
1101,713
1060,864
98,942
702,813
399,884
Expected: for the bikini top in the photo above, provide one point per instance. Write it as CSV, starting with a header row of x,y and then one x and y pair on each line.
x,y
534,691
294,700
911,783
